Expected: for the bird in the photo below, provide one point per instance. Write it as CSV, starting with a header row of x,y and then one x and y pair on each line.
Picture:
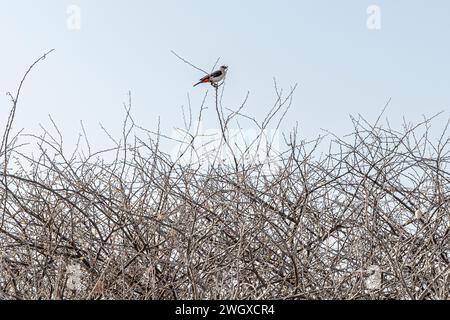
x,y
418,214
215,77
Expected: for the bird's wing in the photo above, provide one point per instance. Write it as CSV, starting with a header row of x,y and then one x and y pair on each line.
x,y
216,74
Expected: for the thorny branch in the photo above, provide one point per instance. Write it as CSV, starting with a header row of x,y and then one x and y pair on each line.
x,y
131,222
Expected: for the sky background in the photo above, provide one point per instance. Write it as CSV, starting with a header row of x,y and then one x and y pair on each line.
x,y
341,66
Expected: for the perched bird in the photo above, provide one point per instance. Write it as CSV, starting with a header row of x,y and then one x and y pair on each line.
x,y
418,214
215,77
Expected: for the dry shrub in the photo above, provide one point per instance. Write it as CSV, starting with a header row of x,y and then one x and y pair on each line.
x,y
369,219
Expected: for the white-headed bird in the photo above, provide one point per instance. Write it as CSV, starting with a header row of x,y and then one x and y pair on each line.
x,y
215,77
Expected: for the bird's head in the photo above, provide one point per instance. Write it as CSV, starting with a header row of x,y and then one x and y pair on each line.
x,y
224,68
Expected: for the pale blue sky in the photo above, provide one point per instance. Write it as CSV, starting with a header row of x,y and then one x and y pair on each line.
x,y
341,66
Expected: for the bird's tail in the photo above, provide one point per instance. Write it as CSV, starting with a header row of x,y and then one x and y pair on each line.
x,y
201,81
